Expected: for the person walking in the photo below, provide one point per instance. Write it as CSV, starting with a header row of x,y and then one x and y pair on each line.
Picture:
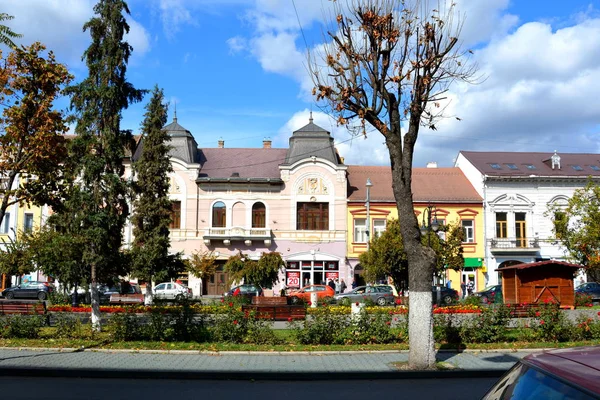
x,y
342,286
353,284
463,288
331,284
338,287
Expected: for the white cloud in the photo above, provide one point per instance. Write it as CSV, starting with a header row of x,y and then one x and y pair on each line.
x,y
138,37
173,14
237,44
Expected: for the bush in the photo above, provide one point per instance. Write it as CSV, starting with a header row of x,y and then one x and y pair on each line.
x,y
550,324
21,326
369,329
69,327
322,328
125,327
583,300
235,326
490,326
57,297
471,301
446,329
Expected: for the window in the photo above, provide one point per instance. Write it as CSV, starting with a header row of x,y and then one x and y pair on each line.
x,y
313,216
175,215
595,167
6,223
360,230
495,166
577,167
378,227
468,231
28,222
501,231
219,219
530,166
520,230
259,215
512,166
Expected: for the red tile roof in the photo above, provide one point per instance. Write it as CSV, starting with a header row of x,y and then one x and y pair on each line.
x,y
540,264
446,185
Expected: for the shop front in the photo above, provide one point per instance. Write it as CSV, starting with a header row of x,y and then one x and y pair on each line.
x,y
302,273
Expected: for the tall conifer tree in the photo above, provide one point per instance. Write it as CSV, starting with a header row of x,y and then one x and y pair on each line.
x,y
152,207
97,207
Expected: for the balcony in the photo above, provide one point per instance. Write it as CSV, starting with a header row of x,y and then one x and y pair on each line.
x,y
514,245
237,233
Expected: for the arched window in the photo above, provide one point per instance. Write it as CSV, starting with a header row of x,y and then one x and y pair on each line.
x,y
218,215
259,213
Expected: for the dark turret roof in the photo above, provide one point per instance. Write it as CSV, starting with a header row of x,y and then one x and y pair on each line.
x,y
183,144
311,140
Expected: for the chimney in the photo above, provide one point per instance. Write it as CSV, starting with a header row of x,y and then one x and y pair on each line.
x,y
266,143
432,164
221,143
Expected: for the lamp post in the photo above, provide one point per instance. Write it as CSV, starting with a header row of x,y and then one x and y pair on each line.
x,y
428,226
368,205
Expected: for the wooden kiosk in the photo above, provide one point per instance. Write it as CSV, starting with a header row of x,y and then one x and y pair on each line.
x,y
539,282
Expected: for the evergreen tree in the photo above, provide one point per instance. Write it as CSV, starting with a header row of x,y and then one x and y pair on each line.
x,y
97,208
152,207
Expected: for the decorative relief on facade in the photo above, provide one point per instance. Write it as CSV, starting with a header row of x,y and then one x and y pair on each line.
x,y
285,176
174,186
313,186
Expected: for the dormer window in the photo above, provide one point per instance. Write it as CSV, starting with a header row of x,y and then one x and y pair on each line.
x,y
577,167
495,166
530,166
555,160
595,167
512,166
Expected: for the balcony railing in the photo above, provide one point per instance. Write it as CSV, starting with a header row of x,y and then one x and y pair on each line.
x,y
237,233
503,245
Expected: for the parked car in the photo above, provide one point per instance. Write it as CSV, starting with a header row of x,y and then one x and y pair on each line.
x,y
589,289
491,294
447,295
247,290
304,293
122,293
29,290
381,295
570,373
171,291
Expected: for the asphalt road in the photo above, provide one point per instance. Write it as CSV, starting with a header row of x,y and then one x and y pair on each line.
x,y
116,389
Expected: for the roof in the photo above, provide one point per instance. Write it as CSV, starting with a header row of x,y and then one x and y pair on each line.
x,y
445,185
540,163
540,264
311,140
174,129
242,163
579,365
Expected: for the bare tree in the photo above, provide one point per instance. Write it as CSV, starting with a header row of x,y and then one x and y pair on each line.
x,y
389,63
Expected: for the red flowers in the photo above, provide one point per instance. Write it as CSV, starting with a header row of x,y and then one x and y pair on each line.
x,y
235,322
388,323
230,304
537,313
542,322
398,301
357,304
309,303
289,319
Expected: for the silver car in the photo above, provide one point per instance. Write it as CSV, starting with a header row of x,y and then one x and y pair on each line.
x,y
380,295
171,291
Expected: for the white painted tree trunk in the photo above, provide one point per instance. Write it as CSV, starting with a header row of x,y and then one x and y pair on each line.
x,y
96,315
420,341
148,295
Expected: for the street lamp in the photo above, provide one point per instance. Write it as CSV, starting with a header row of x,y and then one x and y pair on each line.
x,y
368,205
428,226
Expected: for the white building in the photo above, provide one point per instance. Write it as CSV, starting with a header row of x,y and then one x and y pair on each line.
x,y
518,190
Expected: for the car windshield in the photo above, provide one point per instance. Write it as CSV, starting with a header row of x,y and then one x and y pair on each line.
x,y
490,288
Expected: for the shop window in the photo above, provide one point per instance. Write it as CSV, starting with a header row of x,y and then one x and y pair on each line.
x,y
218,215
312,216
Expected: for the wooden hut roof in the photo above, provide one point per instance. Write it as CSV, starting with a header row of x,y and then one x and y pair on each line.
x,y
539,264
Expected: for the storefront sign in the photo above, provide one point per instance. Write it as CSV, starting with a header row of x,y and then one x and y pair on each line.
x,y
293,279
331,275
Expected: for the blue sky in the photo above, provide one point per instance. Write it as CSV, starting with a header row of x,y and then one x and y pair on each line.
x,y
236,70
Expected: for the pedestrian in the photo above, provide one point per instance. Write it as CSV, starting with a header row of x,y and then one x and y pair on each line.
x,y
463,289
353,284
470,287
338,287
343,286
449,284
331,284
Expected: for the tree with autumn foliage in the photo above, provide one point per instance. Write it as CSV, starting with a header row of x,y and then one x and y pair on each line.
x,y
263,272
97,203
32,142
386,255
203,265
578,228
389,64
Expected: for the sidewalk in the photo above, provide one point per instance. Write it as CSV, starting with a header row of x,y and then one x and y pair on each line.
x,y
245,365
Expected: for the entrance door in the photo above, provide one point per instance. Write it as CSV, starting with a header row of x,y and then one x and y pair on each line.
x,y
469,279
217,283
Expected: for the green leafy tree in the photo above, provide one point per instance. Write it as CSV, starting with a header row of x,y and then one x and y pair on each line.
x,y
15,259
7,34
152,207
203,265
387,257
32,143
264,272
578,227
97,208
389,64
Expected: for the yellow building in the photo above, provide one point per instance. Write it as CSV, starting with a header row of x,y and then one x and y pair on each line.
x,y
452,199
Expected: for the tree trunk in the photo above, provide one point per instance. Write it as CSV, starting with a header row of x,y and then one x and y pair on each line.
x,y
148,294
421,259
96,316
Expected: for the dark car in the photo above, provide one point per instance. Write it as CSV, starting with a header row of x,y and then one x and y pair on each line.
x,y
556,374
589,289
491,294
380,295
247,290
29,290
447,295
